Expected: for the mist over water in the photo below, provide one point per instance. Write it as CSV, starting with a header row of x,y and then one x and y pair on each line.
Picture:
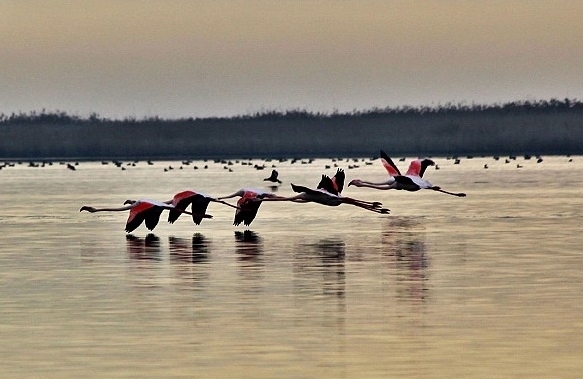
x,y
483,286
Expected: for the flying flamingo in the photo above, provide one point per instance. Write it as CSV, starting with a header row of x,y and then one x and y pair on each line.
x,y
328,192
411,181
198,204
247,208
143,210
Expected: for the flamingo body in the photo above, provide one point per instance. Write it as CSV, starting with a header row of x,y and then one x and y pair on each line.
x,y
198,205
247,207
411,183
320,195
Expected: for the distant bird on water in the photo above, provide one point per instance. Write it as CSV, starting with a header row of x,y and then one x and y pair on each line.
x,y
247,208
198,204
328,192
144,210
273,178
411,181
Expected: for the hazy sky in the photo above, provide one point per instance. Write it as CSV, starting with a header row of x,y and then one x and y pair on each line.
x,y
179,58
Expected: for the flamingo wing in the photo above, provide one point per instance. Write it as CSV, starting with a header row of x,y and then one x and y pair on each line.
x,y
424,164
338,181
181,201
325,184
246,212
152,216
418,167
198,208
389,165
137,216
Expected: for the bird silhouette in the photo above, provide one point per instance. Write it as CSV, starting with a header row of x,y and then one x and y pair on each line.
x,y
273,178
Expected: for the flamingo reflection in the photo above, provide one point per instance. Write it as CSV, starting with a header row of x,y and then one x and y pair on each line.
x,y
194,251
406,249
325,257
249,245
147,248
333,270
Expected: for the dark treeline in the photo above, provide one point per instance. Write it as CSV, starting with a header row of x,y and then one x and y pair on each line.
x,y
45,116
537,127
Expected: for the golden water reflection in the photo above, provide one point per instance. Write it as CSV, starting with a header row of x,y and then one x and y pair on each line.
x,y
488,286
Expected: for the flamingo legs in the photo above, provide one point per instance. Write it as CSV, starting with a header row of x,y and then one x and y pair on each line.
x,y
332,201
438,189
369,206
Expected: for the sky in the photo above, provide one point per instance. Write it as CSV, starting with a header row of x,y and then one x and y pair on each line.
x,y
221,58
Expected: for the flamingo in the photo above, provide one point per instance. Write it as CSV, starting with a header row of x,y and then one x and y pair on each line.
x,y
328,192
273,178
198,204
411,181
247,208
143,210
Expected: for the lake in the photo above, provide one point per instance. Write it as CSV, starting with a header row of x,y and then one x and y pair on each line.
x,y
487,286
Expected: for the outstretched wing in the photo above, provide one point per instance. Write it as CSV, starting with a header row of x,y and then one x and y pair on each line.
x,y
199,205
418,167
143,211
152,217
338,181
327,185
247,211
180,201
389,165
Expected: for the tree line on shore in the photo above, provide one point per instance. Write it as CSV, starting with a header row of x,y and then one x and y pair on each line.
x,y
525,106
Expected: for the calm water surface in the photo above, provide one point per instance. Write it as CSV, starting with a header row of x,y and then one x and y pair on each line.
x,y
487,286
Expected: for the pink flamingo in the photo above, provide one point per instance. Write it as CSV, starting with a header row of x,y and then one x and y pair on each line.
x,y
143,210
328,192
411,181
247,208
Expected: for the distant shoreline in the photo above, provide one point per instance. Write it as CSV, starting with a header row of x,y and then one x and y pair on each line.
x,y
548,127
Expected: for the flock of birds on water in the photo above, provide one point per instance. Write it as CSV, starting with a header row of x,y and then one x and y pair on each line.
x,y
328,192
